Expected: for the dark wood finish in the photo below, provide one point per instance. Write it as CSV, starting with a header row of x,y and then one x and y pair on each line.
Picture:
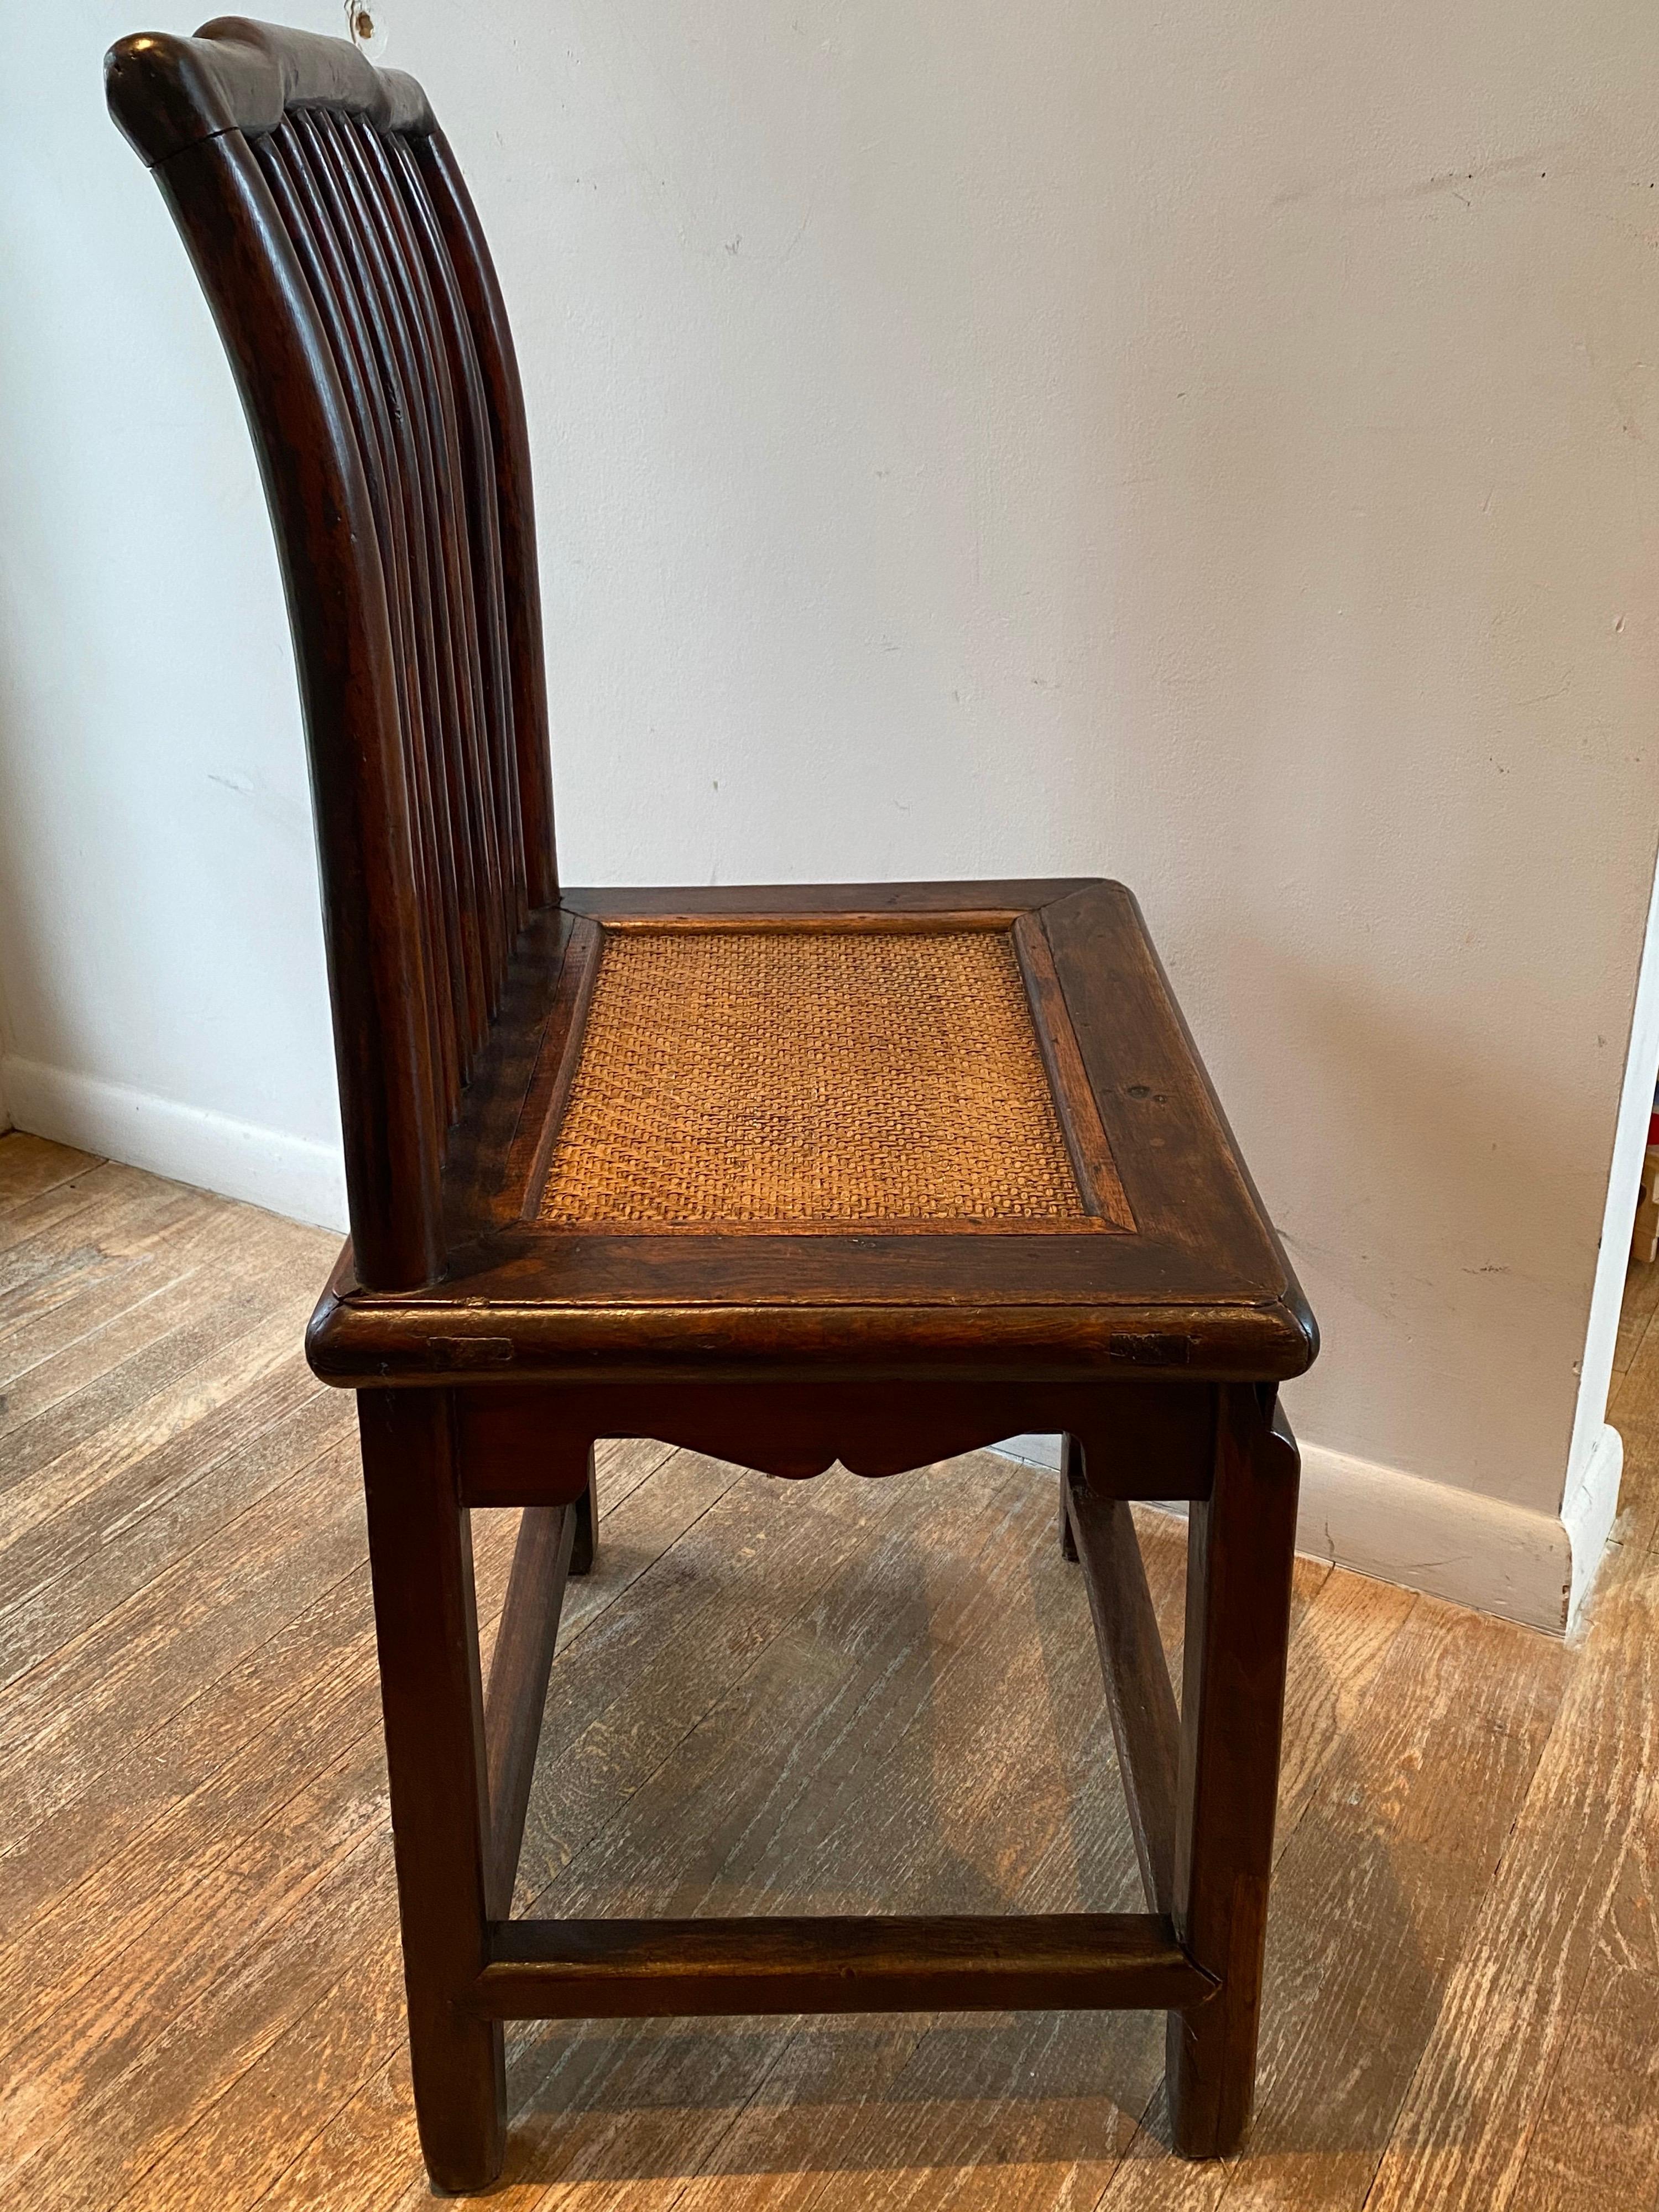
x,y
585,1536
481,295
554,1067
1199,1287
348,274
518,1685
520,1445
307,444
1091,1155
343,261
1140,1697
615,1969
1067,1539
652,1327
1238,1612
426,1631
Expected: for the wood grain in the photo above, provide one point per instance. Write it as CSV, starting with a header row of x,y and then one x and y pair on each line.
x,y
67,1282
1594,2142
30,1166
615,1969
883,1695
1637,1310
83,1327
61,1202
1509,2007
1633,1409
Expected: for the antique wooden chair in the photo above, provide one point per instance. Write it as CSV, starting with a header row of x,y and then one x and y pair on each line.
x,y
874,1173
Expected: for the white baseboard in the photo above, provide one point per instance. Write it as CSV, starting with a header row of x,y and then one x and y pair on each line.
x,y
1486,1553
286,1175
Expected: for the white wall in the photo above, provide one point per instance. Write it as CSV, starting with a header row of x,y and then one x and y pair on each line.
x,y
1216,447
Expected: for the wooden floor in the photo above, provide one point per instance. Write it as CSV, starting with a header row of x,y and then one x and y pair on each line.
x,y
834,1696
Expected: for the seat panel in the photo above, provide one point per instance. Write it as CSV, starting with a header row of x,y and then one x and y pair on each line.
x,y
812,1076
1177,1269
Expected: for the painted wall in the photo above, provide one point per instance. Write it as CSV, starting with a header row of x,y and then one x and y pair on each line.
x,y
1214,446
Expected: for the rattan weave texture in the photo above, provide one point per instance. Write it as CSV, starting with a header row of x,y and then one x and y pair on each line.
x,y
800,1076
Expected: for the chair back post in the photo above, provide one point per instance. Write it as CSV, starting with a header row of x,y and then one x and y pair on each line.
x,y
348,273
337,602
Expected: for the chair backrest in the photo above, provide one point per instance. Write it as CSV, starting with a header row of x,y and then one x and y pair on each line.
x,y
346,267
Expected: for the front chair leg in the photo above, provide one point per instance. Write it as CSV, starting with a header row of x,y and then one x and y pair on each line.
x,y
1240,1548
426,1626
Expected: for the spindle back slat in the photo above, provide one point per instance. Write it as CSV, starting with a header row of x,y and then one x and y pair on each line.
x,y
346,268
488,598
286,167
341,206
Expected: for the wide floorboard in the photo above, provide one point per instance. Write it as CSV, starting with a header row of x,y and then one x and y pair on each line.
x,y
833,1697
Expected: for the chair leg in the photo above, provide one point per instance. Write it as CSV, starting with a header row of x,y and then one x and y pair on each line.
x,y
426,1627
588,1523
1241,1544
1069,1454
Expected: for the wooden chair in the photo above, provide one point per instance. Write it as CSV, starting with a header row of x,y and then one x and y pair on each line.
x,y
875,1174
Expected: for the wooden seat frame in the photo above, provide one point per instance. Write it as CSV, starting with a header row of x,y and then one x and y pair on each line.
x,y
349,278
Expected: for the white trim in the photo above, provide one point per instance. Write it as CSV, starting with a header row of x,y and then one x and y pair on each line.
x,y
1488,1553
1483,1552
1586,1503
1588,1512
287,1175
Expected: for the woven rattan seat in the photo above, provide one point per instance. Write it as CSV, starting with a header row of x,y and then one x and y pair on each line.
x,y
811,1077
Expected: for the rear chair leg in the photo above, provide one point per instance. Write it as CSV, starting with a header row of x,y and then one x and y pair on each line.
x,y
1071,1470
587,1523
1240,1548
426,1626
